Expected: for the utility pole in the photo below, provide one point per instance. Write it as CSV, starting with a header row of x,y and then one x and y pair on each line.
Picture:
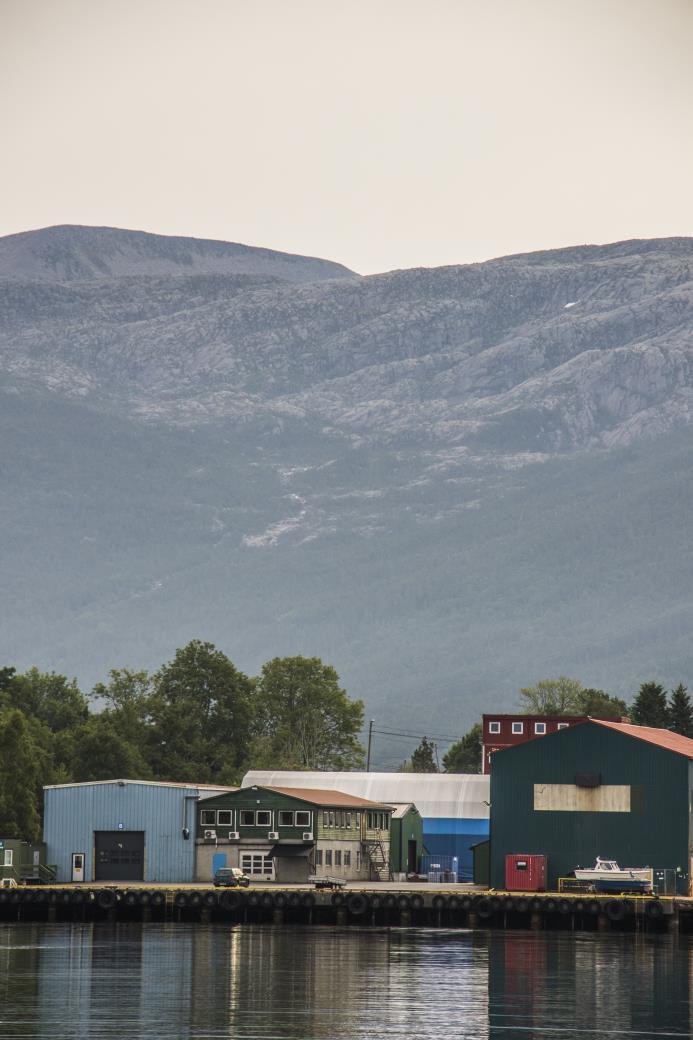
x,y
370,741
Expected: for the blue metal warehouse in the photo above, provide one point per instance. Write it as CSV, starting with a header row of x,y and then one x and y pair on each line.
x,y
122,830
454,806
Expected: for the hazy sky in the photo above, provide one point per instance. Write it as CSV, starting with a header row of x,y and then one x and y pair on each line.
x,y
380,133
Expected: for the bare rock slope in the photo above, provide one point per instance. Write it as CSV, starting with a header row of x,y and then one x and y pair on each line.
x,y
422,426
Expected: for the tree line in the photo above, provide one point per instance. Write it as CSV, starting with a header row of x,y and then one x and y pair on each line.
x,y
652,706
198,719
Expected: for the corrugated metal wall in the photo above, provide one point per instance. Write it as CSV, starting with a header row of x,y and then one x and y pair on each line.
x,y
72,813
654,833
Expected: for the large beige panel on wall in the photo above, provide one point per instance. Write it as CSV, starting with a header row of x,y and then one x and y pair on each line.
x,y
569,798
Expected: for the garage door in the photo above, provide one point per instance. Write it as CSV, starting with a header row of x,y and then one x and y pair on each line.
x,y
119,855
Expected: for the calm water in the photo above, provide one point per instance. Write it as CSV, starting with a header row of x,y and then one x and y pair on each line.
x,y
254,983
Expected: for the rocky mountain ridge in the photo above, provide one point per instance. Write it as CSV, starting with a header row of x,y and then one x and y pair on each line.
x,y
303,422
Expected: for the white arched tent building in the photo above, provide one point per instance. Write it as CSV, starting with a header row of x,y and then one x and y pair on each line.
x,y
454,806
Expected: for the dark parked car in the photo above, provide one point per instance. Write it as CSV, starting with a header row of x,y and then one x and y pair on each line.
x,y
229,877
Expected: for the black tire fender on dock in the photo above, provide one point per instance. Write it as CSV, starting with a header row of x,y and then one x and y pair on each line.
x,y
180,900
131,898
195,900
390,902
455,903
654,908
550,906
39,896
484,907
509,903
439,902
266,900
564,906
357,904
209,899
417,901
295,899
337,898
254,899
280,900
144,897
377,902
157,899
231,900
522,905
307,899
106,899
592,906
79,897
403,902
615,910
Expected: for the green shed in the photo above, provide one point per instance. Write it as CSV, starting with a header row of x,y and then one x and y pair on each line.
x,y
24,861
600,788
406,838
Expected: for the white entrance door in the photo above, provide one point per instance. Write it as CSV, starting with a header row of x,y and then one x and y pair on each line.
x,y
78,859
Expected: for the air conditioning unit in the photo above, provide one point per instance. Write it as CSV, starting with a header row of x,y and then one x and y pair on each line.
x,y
211,835
273,835
234,836
307,835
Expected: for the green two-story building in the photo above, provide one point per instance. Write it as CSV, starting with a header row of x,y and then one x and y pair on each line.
x,y
290,834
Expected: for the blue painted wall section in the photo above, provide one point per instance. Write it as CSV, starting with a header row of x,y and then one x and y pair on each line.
x,y
453,837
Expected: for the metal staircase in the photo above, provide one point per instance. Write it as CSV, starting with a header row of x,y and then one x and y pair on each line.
x,y
379,863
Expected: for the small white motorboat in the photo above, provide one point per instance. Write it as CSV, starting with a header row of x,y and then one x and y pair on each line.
x,y
607,876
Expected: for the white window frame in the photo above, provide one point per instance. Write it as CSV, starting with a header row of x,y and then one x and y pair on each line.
x,y
539,732
8,857
208,822
225,823
563,725
242,813
494,727
263,823
283,823
300,822
257,864
518,729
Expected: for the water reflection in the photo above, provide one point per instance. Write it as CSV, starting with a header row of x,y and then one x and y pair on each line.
x,y
170,981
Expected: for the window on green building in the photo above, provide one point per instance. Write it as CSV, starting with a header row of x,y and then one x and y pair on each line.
x,y
224,817
247,817
286,819
264,818
208,817
302,819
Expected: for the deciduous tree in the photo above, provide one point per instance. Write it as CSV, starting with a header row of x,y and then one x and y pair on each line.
x,y
201,712
305,718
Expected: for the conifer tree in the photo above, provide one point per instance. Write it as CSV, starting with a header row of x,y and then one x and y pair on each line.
x,y
650,707
681,712
422,759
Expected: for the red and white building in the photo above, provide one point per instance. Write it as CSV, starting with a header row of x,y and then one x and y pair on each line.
x,y
503,731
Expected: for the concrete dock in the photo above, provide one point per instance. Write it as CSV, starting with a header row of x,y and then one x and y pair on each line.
x,y
377,904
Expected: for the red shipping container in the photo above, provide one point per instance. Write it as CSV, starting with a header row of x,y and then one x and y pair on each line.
x,y
525,873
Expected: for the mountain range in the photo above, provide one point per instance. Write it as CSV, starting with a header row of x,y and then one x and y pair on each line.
x,y
447,482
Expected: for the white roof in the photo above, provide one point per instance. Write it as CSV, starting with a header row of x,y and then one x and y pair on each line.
x,y
461,796
209,789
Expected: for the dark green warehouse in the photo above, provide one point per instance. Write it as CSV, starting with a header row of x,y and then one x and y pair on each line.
x,y
600,788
